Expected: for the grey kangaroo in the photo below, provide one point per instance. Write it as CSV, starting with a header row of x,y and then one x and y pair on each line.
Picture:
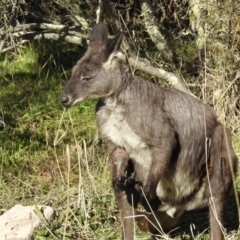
x,y
167,149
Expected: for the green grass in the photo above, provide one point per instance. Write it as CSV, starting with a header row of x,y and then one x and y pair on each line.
x,y
52,156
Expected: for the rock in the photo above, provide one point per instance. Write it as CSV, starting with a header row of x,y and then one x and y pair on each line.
x,y
19,222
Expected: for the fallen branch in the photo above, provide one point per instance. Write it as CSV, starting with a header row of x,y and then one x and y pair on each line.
x,y
49,35
72,30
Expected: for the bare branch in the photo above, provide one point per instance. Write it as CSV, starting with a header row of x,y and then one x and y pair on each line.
x,y
48,35
195,21
152,29
72,30
98,11
171,78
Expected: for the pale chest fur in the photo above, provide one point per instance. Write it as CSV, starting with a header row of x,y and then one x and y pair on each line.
x,y
116,129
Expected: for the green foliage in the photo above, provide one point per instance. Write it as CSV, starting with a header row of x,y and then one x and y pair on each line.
x,y
186,50
29,107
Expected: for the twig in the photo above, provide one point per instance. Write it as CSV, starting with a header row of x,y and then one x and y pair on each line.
x,y
13,46
98,11
230,85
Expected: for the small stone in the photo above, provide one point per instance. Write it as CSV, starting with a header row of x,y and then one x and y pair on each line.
x,y
19,222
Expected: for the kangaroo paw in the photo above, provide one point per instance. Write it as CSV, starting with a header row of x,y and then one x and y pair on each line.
x,y
126,181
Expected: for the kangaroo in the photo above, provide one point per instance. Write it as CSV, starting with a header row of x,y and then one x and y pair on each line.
x,y
167,149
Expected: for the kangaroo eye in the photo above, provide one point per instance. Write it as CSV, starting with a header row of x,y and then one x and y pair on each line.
x,y
86,78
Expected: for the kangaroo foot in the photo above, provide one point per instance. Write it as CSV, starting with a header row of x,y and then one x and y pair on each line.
x,y
150,204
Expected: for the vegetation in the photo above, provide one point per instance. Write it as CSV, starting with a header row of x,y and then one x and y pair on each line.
x,y
54,156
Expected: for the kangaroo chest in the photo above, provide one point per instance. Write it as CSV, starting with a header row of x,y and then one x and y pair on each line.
x,y
115,128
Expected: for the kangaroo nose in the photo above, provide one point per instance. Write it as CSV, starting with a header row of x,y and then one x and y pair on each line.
x,y
64,99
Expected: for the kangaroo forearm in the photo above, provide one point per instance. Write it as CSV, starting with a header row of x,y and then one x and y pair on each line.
x,y
119,160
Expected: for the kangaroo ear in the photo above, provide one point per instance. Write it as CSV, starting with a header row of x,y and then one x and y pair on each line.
x,y
99,33
114,44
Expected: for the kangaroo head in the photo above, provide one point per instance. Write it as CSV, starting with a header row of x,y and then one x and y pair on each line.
x,y
94,74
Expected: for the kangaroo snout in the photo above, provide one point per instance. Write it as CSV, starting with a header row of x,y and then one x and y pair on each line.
x,y
65,100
